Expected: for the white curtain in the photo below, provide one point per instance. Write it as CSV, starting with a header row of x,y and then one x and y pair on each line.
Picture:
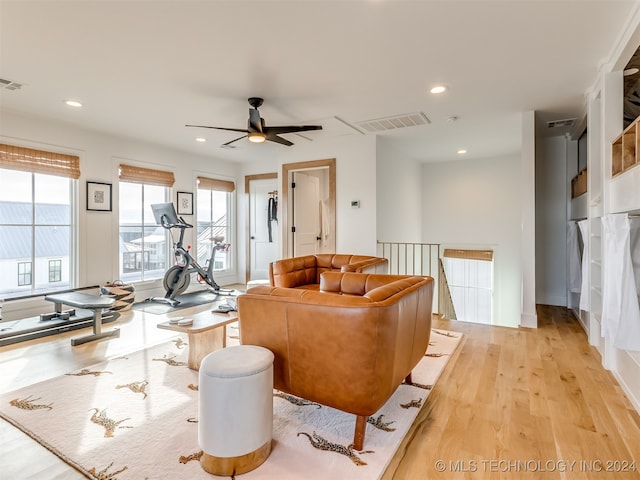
x,y
584,284
634,242
620,308
573,258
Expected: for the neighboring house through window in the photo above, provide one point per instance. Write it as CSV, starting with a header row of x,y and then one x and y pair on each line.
x,y
213,213
144,253
36,191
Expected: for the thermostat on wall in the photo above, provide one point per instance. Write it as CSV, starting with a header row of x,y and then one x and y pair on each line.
x,y
355,203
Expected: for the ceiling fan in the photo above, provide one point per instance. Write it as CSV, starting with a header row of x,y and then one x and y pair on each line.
x,y
258,132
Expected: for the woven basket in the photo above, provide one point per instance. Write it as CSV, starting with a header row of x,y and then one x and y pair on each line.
x,y
122,293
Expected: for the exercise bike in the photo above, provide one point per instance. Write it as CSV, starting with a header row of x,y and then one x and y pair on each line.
x,y
178,277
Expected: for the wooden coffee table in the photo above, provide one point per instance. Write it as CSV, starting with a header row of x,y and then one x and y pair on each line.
x,y
207,333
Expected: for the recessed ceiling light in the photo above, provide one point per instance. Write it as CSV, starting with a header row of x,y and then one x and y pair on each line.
x,y
73,103
631,71
200,139
462,151
438,89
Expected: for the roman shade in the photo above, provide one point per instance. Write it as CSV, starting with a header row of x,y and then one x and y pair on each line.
x,y
215,184
486,255
39,161
148,176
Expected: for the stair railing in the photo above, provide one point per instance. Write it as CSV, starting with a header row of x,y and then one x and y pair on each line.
x,y
422,259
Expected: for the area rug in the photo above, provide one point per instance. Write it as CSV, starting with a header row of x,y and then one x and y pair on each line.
x,y
186,300
136,417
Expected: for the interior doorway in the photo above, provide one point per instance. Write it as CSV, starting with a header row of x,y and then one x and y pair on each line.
x,y
308,207
263,245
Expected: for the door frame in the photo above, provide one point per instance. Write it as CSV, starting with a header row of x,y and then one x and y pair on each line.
x,y
287,168
247,191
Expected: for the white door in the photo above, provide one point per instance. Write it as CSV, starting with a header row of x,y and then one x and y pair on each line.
x,y
306,214
263,229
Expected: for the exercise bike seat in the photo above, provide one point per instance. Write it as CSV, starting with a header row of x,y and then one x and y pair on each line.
x,y
217,239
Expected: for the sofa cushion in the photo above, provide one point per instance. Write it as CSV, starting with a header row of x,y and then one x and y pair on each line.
x,y
294,272
373,286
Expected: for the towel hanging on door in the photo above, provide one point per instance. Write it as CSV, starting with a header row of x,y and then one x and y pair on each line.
x,y
272,214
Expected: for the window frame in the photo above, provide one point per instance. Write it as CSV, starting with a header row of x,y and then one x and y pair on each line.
x,y
56,263
142,257
22,274
227,187
39,276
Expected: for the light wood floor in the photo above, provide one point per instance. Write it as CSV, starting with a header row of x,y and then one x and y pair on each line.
x,y
518,399
510,400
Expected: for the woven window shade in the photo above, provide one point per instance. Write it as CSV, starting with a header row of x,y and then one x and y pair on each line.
x,y
148,176
486,255
39,161
214,184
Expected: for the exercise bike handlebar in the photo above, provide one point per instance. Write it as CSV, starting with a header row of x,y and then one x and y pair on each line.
x,y
181,223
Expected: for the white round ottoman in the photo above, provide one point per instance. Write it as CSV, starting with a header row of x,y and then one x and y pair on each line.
x,y
235,409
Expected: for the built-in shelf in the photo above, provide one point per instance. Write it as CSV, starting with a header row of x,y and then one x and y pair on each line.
x,y
625,150
579,184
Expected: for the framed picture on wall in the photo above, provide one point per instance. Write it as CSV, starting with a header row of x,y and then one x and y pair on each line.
x,y
185,203
99,196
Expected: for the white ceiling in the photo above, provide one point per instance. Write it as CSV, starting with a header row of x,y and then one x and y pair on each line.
x,y
144,69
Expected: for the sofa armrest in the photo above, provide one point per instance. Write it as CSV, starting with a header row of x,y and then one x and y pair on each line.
x,y
367,265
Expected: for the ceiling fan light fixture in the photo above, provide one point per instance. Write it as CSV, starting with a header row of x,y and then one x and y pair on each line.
x,y
256,137
437,89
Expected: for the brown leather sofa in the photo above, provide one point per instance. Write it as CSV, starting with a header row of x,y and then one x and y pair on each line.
x,y
304,272
349,344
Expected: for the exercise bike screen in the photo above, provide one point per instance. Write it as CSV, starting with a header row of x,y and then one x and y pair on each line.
x,y
167,210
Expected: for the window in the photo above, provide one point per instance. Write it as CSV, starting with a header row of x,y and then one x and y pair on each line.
x,y
144,253
470,278
213,210
35,225
36,189
24,273
55,271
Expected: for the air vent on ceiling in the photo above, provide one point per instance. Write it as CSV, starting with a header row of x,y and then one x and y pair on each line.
x,y
9,85
568,122
391,123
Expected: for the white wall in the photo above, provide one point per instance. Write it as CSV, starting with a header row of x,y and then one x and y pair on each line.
x,y
477,204
355,180
100,156
551,221
398,188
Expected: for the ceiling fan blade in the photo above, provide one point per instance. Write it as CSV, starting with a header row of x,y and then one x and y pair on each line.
x,y
242,130
272,137
291,129
234,140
